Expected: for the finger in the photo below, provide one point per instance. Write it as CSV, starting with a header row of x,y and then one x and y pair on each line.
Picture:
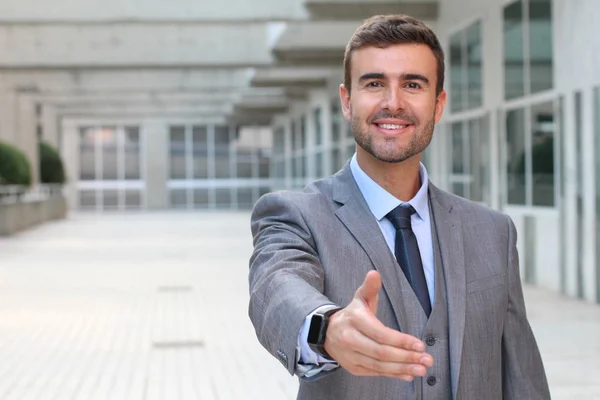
x,y
374,329
368,347
389,368
368,292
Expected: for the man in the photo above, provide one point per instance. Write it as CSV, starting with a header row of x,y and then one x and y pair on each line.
x,y
375,284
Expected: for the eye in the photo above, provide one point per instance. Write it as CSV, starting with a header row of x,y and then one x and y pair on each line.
x,y
374,84
413,85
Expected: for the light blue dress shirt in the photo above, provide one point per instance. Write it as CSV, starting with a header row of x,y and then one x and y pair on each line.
x,y
380,202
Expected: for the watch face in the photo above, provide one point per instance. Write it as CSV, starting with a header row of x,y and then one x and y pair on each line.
x,y
314,331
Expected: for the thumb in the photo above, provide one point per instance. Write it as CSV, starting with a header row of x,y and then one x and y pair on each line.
x,y
368,292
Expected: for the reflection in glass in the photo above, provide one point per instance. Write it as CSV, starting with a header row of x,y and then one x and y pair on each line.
x,y
177,145
540,44
542,153
515,156
457,83
514,64
474,66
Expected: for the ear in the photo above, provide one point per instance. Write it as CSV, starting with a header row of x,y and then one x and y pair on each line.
x,y
345,100
440,103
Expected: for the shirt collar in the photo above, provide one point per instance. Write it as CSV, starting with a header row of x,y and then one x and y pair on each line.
x,y
381,202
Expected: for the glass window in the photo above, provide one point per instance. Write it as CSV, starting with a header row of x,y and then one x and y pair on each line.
x,y
530,71
336,117
542,153
107,137
222,152
178,152
458,165
540,44
319,165
201,198
476,156
480,160
110,199
514,59
597,165
457,83
318,127
474,66
200,151
466,69
133,199
178,198
87,199
132,153
302,135
516,156
87,155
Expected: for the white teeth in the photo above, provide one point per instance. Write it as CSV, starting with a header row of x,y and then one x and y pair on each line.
x,y
390,126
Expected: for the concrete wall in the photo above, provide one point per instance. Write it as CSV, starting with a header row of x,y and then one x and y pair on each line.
x,y
134,44
181,10
20,216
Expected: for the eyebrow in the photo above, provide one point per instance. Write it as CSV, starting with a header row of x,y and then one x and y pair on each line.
x,y
405,77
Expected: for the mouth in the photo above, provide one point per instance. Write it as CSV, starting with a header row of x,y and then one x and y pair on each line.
x,y
393,129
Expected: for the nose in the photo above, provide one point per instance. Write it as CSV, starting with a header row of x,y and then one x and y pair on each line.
x,y
394,99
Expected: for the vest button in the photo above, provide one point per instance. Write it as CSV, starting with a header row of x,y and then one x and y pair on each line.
x,y
431,381
430,341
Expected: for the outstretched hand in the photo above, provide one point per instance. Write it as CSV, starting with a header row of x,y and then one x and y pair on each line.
x,y
363,346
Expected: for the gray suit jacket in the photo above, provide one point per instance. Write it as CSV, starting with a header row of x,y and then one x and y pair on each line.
x,y
315,247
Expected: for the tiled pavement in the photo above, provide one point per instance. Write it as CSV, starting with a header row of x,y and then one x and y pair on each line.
x,y
154,306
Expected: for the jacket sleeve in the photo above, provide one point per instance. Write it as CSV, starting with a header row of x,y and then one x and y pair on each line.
x,y
523,371
286,277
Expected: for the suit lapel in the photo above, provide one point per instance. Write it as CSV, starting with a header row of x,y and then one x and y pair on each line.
x,y
357,217
449,236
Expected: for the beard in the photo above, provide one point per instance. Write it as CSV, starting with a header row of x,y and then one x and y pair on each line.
x,y
388,149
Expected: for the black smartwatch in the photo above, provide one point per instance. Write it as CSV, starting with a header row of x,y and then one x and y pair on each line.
x,y
318,330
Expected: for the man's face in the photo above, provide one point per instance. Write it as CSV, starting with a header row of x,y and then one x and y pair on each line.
x,y
393,105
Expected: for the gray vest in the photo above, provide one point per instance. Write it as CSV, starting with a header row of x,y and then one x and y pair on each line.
x,y
436,385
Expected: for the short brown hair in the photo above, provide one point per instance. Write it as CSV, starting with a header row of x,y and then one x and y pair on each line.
x,y
387,30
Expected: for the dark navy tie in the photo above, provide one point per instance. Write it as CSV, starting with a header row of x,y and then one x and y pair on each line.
x,y
408,255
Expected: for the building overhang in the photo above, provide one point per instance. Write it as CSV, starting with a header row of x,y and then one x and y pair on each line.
x,y
362,9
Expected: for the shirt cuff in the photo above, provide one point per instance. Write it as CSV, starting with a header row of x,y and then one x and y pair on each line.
x,y
309,363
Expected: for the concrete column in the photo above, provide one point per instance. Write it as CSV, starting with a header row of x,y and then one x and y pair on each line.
x,y
26,134
7,117
69,150
155,145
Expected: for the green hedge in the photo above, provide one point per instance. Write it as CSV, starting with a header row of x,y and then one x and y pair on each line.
x,y
15,168
51,165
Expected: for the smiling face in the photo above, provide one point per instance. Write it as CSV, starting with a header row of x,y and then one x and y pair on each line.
x,y
393,105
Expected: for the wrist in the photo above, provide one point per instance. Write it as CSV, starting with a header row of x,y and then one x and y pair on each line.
x,y
317,333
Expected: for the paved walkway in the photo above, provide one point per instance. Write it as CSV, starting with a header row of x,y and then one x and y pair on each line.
x,y
154,306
